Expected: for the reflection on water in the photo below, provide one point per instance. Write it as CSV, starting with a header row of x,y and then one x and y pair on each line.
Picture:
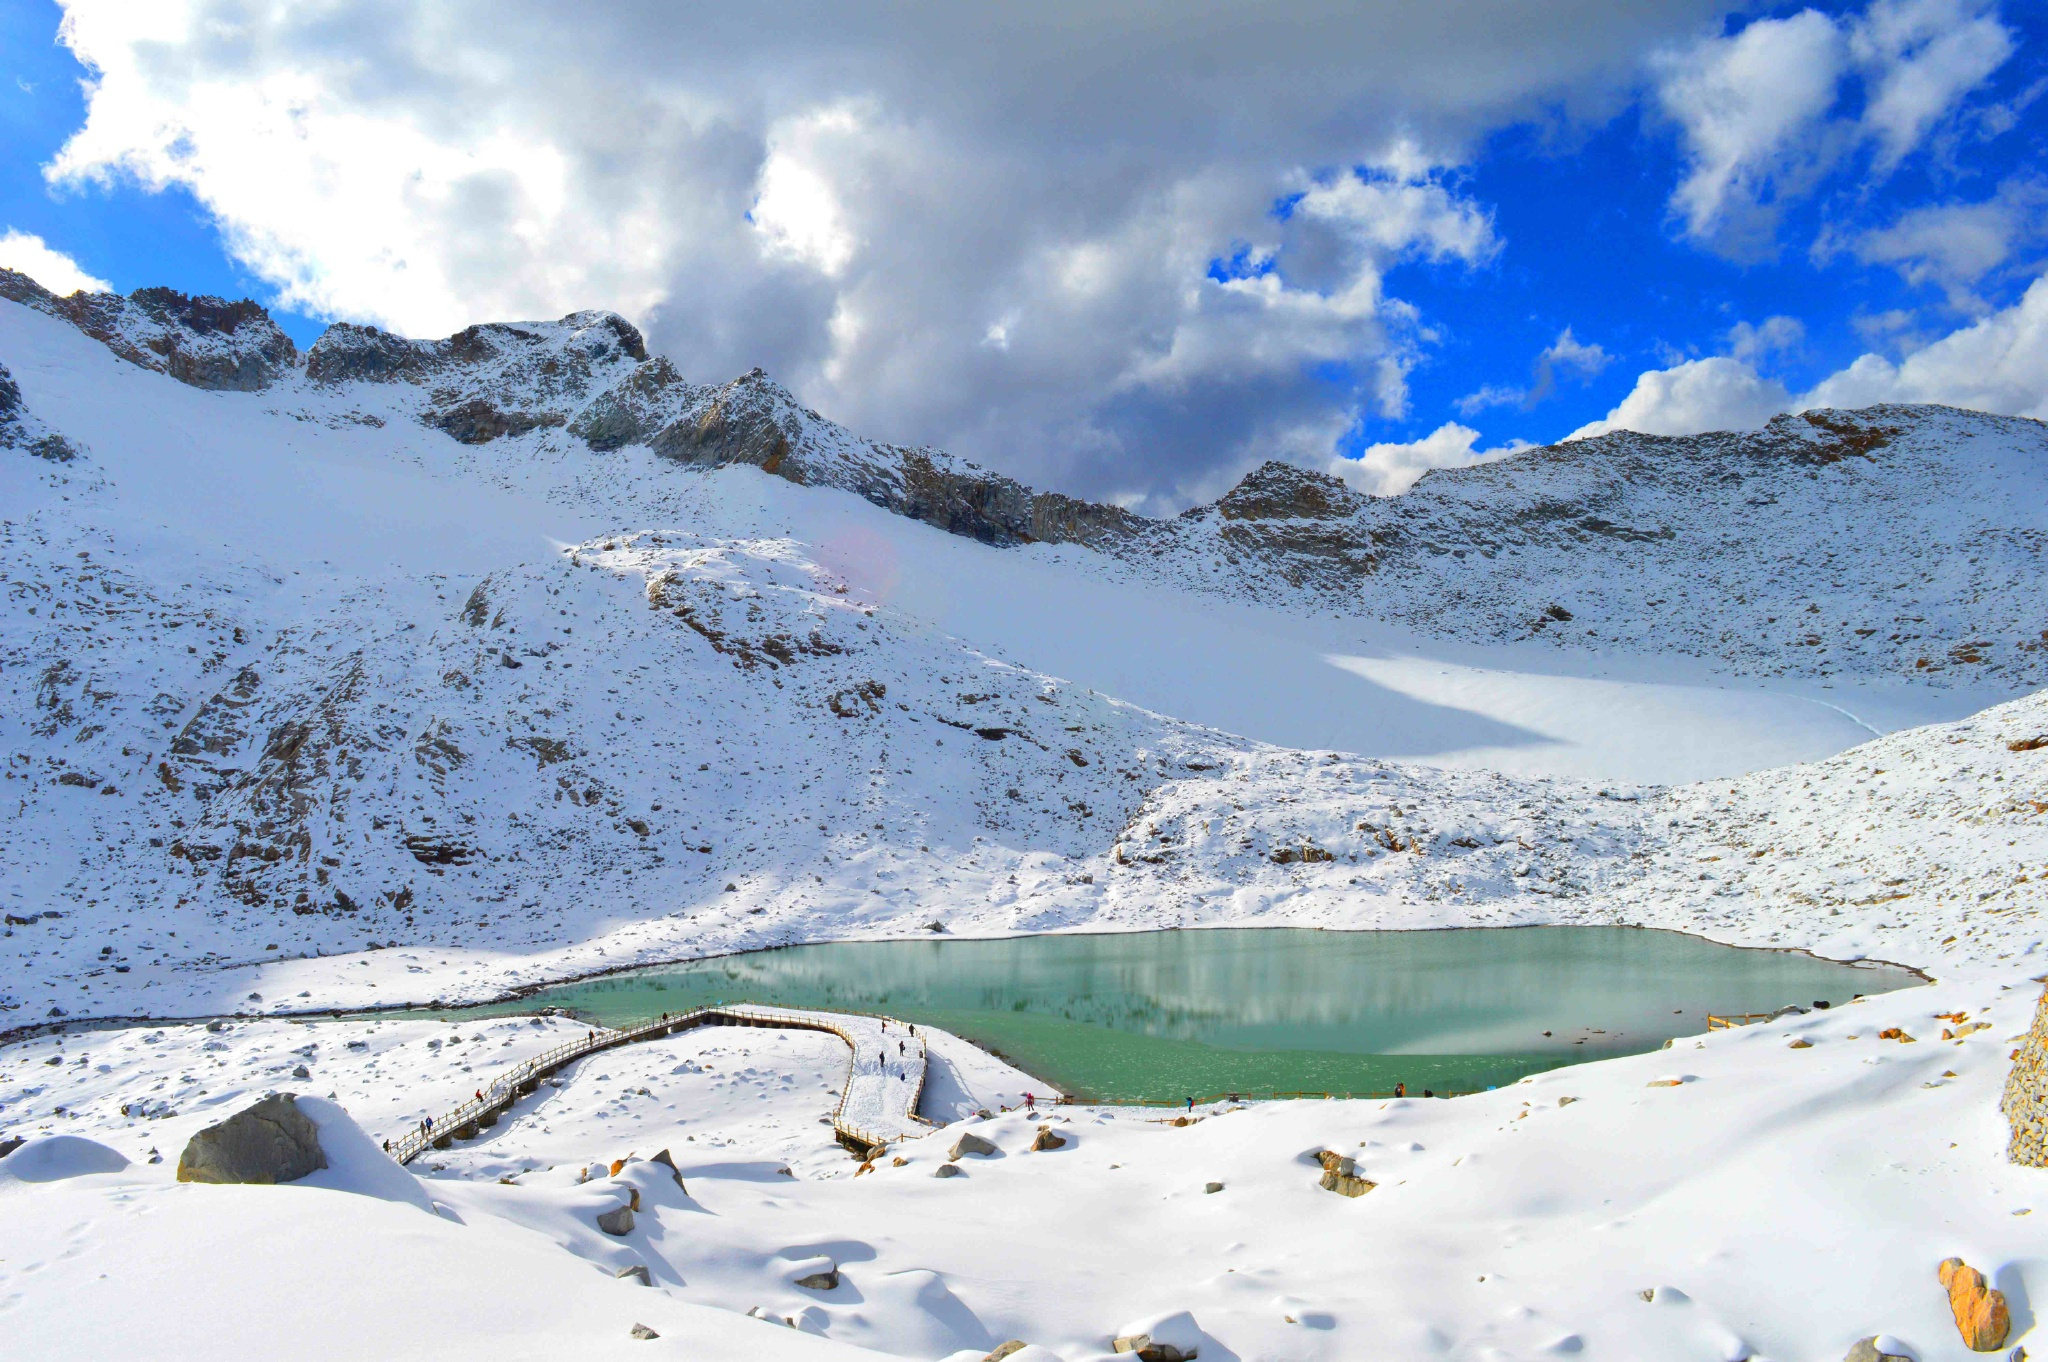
x,y
1162,1014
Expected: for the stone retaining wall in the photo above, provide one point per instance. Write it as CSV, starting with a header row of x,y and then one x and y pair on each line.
x,y
2026,1094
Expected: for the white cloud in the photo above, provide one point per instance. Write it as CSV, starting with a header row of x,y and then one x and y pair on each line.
x,y
984,228
54,270
1774,335
1386,470
1718,393
1955,246
1750,109
1489,395
1998,364
1762,117
1924,56
1567,355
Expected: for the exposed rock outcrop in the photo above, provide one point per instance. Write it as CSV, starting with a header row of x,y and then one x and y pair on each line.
x,y
270,1142
206,342
1340,1175
19,429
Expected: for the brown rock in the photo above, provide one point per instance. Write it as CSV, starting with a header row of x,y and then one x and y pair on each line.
x,y
1340,1175
669,1163
1981,1315
1003,1350
1047,1138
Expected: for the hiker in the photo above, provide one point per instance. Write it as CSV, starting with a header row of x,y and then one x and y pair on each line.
x,y
1191,1106
899,1048
1400,1090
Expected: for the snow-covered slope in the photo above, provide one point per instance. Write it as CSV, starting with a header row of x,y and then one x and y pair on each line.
x,y
406,670
438,644
1900,541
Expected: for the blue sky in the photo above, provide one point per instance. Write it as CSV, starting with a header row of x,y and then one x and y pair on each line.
x,y
930,243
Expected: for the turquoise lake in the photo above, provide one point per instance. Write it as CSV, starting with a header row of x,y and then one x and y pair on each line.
x,y
1161,1016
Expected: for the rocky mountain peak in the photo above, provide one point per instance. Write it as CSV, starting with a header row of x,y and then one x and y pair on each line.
x,y
1285,491
206,342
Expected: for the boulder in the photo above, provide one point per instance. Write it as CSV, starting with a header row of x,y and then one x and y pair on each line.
x,y
1981,1314
638,1271
819,1274
947,1170
1047,1138
1878,1348
270,1142
1162,1338
971,1143
666,1162
1211,1188
1340,1175
642,1331
1003,1350
616,1221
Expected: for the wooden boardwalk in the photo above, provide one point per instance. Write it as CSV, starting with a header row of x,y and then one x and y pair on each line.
x,y
877,1105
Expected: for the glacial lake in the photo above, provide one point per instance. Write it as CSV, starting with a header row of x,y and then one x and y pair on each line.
x,y
1170,1014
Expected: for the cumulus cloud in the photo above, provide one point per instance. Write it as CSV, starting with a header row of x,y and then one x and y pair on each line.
x,y
995,230
1996,364
1763,114
1386,470
54,270
1718,393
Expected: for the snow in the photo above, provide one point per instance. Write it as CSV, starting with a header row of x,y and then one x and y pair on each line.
x,y
305,706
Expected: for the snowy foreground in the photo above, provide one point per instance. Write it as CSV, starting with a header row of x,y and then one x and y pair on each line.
x,y
428,671
1774,1202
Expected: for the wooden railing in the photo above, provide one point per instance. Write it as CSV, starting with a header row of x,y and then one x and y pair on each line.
x,y
477,1113
1717,1021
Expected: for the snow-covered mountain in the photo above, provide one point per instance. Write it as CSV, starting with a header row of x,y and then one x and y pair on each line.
x,y
469,642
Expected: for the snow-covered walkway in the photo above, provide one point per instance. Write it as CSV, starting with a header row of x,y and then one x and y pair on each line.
x,y
877,1106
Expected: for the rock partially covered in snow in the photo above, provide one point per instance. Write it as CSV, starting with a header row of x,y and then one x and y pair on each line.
x,y
970,1143
1340,1175
1172,1337
270,1142
815,1274
1878,1348
616,1221
51,1157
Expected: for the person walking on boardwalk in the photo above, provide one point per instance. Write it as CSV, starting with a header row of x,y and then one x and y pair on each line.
x,y
1191,1106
